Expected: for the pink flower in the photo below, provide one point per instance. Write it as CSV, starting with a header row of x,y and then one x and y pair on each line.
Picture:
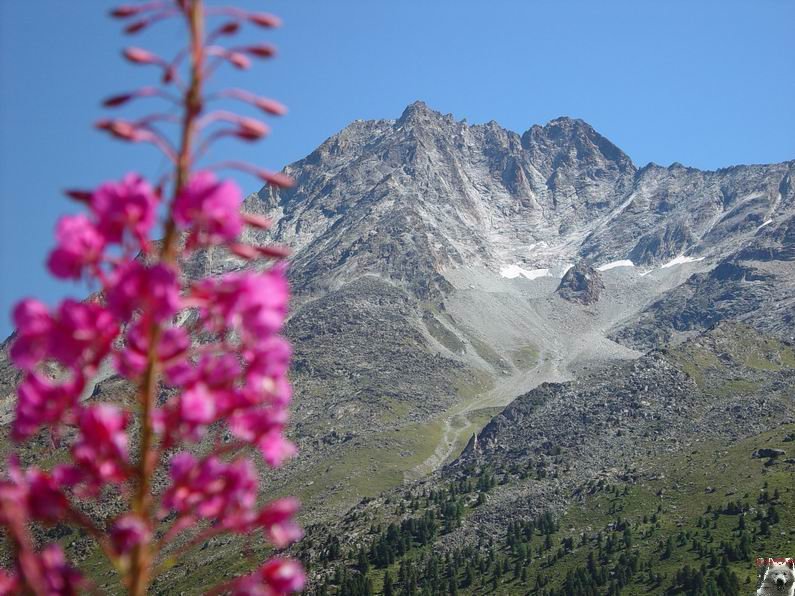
x,y
284,575
271,358
43,403
155,290
263,427
80,334
277,576
210,209
210,392
253,303
80,247
46,572
60,577
275,448
127,532
83,333
128,205
197,405
66,475
34,324
266,375
46,502
249,425
171,351
265,305
220,372
101,451
212,489
9,583
276,518
35,492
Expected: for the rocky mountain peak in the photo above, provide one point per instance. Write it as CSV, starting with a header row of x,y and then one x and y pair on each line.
x,y
412,198
419,114
571,142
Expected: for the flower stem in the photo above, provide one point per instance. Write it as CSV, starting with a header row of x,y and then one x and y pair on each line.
x,y
140,574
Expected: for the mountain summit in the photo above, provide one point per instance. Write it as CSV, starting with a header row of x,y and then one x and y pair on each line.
x,y
414,197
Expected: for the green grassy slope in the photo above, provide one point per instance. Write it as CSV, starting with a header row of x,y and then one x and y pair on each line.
x,y
711,511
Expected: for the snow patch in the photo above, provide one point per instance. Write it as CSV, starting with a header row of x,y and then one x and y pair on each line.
x,y
681,260
514,271
614,264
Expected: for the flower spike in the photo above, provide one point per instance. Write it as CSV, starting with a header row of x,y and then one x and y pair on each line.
x,y
215,343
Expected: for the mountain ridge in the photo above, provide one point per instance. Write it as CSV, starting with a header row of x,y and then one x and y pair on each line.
x,y
555,178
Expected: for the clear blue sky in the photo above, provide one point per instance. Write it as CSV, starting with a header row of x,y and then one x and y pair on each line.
x,y
708,83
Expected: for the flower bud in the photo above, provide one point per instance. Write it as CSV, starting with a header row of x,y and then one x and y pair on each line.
x,y
274,252
271,106
257,221
262,19
169,74
238,60
117,100
127,532
262,50
229,28
250,129
121,129
275,178
122,98
243,251
139,56
125,11
81,196
137,26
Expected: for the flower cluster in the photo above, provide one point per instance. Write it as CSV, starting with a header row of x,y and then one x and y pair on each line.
x,y
26,496
206,355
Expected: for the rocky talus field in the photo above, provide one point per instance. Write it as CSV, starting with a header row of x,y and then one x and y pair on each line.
x,y
523,365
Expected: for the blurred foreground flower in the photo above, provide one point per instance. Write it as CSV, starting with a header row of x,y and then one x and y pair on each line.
x,y
231,389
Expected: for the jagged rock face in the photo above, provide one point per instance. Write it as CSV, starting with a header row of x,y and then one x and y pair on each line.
x,y
581,283
755,284
415,197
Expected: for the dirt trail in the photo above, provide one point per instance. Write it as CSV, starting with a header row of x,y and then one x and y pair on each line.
x,y
457,423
